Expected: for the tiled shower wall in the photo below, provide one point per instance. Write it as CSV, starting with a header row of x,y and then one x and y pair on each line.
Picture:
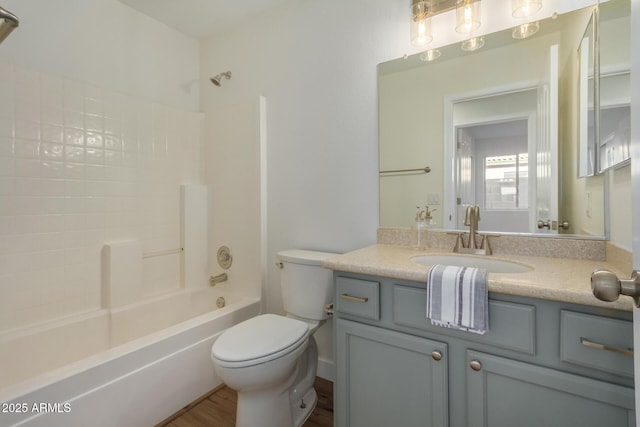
x,y
81,166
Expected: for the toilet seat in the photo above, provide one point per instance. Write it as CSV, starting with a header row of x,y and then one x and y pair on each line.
x,y
259,340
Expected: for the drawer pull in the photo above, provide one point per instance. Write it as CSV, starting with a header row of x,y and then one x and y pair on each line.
x,y
585,342
475,365
354,299
436,355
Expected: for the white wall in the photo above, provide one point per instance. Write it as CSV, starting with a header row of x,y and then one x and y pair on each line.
x,y
316,65
232,167
108,44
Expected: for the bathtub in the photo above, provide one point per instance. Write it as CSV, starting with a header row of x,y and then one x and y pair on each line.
x,y
133,366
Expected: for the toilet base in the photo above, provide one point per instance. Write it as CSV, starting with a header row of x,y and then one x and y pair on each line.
x,y
274,410
300,412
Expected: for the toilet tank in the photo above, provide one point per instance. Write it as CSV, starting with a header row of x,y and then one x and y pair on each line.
x,y
306,286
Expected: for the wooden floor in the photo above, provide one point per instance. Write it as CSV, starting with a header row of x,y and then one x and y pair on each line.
x,y
218,409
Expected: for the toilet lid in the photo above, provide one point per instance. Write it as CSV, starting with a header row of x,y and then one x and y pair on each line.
x,y
259,337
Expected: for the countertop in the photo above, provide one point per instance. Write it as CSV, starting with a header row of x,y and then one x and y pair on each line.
x,y
557,279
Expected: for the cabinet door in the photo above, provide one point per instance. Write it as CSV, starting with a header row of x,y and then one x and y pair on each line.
x,y
386,378
503,392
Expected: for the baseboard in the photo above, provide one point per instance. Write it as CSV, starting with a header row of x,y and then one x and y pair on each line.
x,y
326,369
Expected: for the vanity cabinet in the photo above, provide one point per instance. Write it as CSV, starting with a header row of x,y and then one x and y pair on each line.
x,y
506,392
394,379
542,363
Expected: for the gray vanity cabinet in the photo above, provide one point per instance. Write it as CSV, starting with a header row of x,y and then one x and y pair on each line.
x,y
390,378
537,366
505,393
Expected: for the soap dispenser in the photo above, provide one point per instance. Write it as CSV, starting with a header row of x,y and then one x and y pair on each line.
x,y
430,222
423,221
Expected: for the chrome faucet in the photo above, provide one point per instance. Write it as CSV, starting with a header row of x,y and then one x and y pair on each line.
x,y
471,219
214,280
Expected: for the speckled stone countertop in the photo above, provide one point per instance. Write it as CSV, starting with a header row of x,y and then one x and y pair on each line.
x,y
558,279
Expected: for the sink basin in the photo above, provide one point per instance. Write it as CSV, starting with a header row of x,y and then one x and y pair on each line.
x,y
492,265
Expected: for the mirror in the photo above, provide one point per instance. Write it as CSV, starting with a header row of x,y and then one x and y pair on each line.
x,y
605,104
501,97
614,112
586,95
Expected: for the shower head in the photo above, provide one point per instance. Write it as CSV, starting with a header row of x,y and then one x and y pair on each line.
x,y
217,79
8,22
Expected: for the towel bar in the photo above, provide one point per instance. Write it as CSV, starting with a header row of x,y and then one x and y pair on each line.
x,y
162,253
426,169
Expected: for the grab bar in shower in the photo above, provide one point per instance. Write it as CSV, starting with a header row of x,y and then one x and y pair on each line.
x,y
162,253
425,169
8,23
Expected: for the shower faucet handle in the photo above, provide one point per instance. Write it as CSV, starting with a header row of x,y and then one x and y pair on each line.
x,y
224,257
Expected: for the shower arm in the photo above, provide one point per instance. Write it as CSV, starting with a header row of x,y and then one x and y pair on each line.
x,y
8,22
9,17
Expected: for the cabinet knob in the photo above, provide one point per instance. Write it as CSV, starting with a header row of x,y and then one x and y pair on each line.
x,y
475,365
436,355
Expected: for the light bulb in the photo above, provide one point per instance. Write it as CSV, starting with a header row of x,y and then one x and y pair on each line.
x,y
467,16
420,23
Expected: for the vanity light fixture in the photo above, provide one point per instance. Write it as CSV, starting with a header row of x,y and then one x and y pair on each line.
x,y
474,43
467,16
467,20
525,30
525,8
430,55
420,23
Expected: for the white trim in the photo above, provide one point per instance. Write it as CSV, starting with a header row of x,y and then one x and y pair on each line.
x,y
635,178
264,270
326,369
554,79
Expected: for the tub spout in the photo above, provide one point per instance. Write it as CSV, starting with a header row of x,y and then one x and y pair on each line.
x,y
214,280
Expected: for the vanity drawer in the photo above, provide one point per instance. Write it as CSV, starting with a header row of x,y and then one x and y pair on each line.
x,y
358,297
511,325
597,342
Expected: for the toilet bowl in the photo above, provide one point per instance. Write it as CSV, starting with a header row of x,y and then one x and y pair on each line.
x,y
271,360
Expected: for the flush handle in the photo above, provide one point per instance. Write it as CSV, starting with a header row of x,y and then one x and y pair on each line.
x,y
328,308
606,286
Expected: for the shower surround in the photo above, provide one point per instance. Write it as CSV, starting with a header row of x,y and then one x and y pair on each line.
x,y
81,166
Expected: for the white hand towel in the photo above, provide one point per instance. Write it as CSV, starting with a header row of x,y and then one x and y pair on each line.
x,y
457,297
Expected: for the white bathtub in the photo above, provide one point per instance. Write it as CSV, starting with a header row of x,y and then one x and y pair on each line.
x,y
124,367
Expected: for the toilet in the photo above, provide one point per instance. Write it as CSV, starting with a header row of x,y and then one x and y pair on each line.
x,y
271,360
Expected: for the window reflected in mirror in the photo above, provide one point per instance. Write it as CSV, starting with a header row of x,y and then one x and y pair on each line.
x,y
506,182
